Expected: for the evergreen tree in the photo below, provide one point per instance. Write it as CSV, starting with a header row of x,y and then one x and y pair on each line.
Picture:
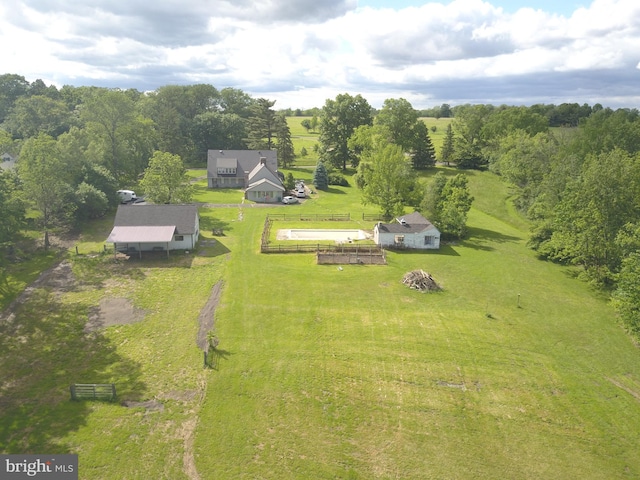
x,y
424,154
262,125
289,181
286,153
321,177
447,152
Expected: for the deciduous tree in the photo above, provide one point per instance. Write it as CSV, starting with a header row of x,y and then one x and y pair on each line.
x,y
46,181
447,202
12,208
593,208
469,141
215,130
165,179
626,298
121,139
38,114
338,120
400,118
389,181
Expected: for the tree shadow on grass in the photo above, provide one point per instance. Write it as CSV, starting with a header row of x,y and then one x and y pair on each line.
x,y
43,350
212,224
444,249
212,248
481,239
214,355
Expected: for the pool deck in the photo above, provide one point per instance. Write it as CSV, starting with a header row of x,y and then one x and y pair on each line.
x,y
322,234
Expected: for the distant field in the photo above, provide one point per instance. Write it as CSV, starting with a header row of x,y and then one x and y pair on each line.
x,y
302,138
437,137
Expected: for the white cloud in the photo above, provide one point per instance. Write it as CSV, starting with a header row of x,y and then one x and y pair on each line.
x,y
308,51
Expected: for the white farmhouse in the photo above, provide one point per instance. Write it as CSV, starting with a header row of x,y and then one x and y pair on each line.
x,y
409,231
150,228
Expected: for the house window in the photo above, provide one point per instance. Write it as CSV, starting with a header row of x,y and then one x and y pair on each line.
x,y
179,238
226,171
399,239
429,240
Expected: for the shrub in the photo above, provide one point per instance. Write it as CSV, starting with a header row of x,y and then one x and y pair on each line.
x,y
337,179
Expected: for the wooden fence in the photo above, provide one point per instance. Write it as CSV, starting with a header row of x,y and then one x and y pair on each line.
x,y
372,217
319,247
316,217
93,391
348,253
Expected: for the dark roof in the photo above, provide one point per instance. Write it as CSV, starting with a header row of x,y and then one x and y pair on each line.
x,y
183,217
415,218
412,223
245,160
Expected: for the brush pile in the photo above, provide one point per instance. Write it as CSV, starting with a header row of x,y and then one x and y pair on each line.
x,y
421,281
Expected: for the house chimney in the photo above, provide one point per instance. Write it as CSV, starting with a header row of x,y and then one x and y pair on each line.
x,y
263,160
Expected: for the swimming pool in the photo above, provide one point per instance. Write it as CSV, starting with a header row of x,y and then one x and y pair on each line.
x,y
322,234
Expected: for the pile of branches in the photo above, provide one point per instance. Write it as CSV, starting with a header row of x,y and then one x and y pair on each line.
x,y
421,281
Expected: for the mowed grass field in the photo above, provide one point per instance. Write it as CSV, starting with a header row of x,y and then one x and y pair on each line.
x,y
515,370
308,139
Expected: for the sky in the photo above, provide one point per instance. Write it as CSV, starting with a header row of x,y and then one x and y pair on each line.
x,y
302,52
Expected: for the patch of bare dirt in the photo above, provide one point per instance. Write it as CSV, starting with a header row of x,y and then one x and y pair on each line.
x,y
205,320
149,405
113,311
58,278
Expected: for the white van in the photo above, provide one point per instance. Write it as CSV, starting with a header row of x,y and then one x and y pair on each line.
x,y
127,196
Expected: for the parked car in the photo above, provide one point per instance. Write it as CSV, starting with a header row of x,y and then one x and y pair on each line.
x,y
301,194
289,199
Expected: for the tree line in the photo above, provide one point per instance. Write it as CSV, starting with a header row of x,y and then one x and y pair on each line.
x,y
574,169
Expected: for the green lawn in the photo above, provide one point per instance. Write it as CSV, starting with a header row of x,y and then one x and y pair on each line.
x,y
515,370
437,137
303,138
307,139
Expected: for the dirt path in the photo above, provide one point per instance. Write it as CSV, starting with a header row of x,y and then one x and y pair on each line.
x,y
115,310
58,278
206,316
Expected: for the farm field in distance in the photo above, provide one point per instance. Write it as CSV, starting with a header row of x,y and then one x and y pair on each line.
x,y
307,139
515,370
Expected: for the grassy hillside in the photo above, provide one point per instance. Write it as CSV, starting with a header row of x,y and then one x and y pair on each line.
x,y
440,125
307,139
515,370
347,374
303,138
